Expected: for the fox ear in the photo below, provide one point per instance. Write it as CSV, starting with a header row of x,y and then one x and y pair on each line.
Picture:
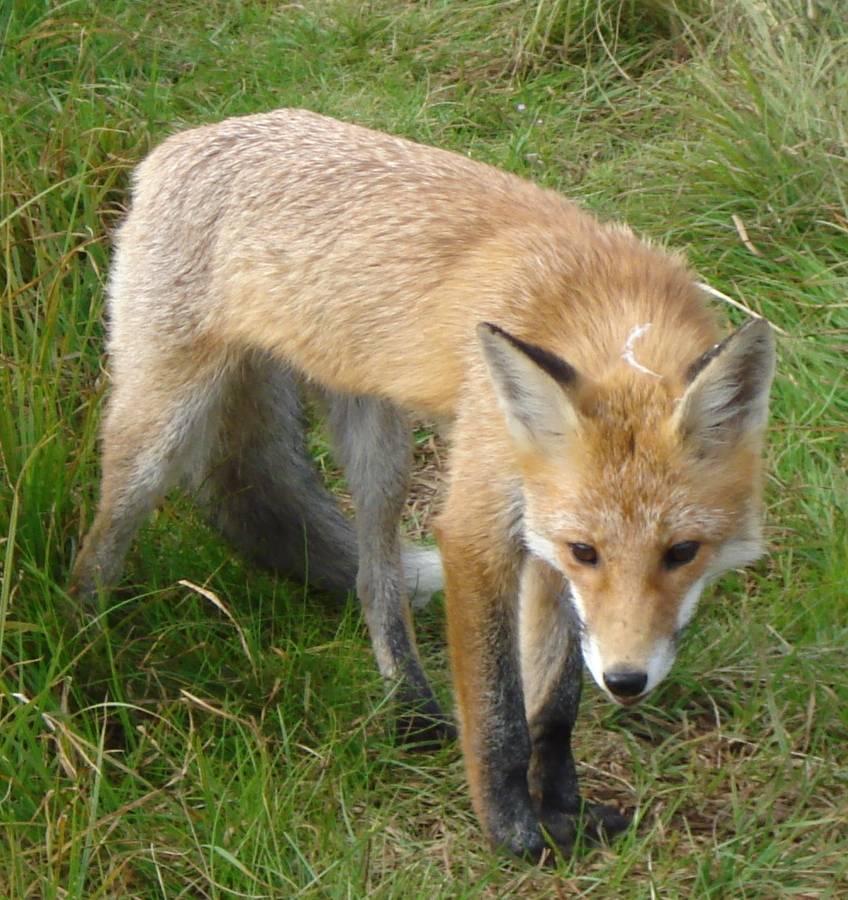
x,y
532,387
727,397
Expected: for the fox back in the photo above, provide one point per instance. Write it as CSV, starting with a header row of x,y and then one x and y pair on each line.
x,y
355,254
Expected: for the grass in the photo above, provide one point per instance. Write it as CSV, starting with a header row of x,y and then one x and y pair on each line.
x,y
172,750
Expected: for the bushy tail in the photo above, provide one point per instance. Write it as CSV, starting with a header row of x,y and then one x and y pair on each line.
x,y
264,494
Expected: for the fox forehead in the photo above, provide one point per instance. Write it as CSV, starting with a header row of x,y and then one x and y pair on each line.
x,y
636,481
622,510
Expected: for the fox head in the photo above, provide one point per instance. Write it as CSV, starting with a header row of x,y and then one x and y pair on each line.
x,y
638,489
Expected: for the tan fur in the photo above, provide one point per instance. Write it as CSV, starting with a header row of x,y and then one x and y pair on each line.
x,y
367,263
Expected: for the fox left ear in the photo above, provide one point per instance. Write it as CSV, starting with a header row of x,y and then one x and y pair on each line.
x,y
532,386
727,398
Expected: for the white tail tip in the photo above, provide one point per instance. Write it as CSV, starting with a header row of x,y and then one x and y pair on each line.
x,y
422,568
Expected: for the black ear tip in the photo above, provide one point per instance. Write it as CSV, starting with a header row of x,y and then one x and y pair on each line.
x,y
485,329
757,326
758,336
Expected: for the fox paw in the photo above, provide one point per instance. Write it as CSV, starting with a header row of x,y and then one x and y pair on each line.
x,y
594,824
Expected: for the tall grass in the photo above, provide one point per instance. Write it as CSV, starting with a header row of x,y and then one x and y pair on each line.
x,y
167,749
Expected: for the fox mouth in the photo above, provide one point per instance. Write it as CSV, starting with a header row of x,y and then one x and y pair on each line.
x,y
628,701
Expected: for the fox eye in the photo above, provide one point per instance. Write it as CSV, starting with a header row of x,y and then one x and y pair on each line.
x,y
584,553
680,554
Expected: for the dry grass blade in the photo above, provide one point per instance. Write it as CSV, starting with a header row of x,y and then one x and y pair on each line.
x,y
736,304
216,601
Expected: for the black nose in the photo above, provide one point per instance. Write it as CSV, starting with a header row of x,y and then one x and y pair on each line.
x,y
624,683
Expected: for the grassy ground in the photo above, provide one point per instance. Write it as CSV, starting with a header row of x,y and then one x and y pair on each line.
x,y
173,750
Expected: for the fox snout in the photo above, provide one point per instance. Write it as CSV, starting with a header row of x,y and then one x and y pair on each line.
x,y
627,671
627,685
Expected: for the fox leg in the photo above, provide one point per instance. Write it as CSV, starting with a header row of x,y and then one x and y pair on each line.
x,y
482,636
516,667
482,557
552,675
157,428
375,448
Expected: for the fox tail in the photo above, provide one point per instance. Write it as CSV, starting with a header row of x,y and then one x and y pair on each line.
x,y
263,493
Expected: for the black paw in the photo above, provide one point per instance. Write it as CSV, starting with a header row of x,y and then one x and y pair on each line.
x,y
604,822
522,838
594,824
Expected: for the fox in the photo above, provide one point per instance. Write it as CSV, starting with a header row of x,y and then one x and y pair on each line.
x,y
605,432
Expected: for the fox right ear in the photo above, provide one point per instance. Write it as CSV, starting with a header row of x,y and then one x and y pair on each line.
x,y
532,387
727,398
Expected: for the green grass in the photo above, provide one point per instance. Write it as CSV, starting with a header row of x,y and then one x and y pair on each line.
x,y
171,750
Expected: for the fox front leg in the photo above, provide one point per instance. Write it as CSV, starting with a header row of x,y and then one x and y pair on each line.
x,y
483,558
482,638
552,676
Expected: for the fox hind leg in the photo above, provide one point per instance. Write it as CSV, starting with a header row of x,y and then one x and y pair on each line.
x,y
158,427
374,445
